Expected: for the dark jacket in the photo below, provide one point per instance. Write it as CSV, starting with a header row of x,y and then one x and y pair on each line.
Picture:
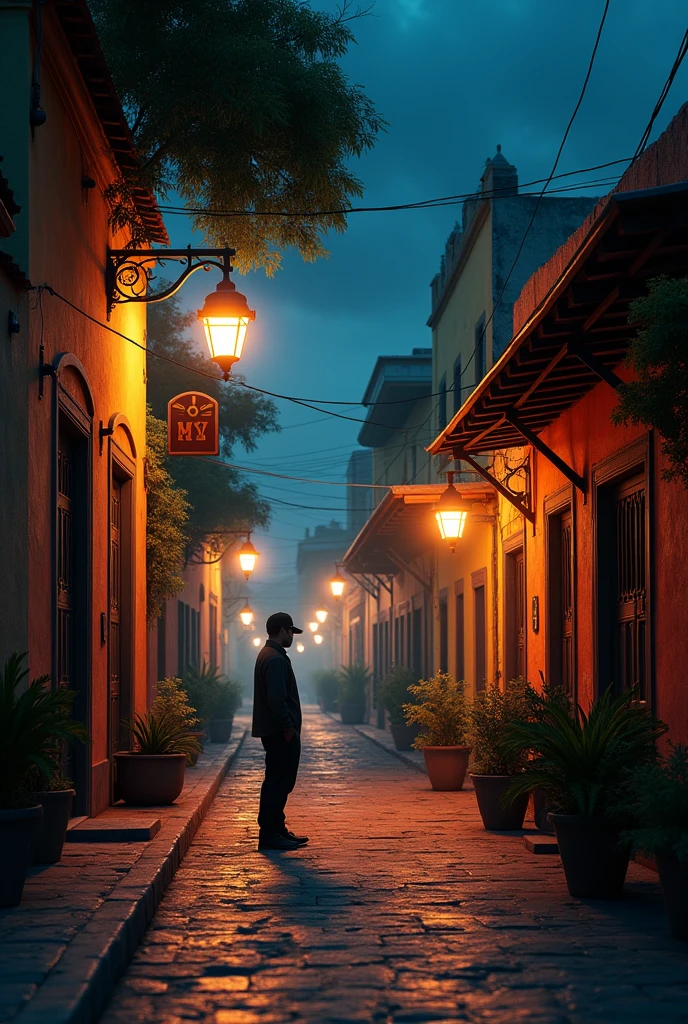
x,y
276,704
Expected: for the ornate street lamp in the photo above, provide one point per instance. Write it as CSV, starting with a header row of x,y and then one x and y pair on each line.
x,y
337,584
225,317
321,615
451,512
256,641
246,615
248,556
318,639
313,626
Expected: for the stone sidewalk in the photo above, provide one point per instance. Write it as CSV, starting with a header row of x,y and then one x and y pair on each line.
x,y
401,909
79,922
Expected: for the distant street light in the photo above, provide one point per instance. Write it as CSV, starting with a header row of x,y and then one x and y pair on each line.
x,y
337,584
318,639
313,626
256,641
248,556
300,648
246,615
321,615
451,512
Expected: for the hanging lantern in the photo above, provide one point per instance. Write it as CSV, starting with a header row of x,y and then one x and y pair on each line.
x,y
256,641
248,556
225,317
451,512
246,615
321,615
313,626
337,584
318,639
300,648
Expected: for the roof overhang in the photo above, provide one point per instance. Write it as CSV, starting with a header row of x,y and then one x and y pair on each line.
x,y
579,331
402,527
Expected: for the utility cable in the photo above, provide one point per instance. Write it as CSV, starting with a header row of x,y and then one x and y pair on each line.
x,y
678,60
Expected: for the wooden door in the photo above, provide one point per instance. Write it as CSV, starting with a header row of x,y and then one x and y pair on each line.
x,y
115,645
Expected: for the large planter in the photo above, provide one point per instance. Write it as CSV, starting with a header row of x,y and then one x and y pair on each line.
x,y
403,734
192,758
17,831
541,808
221,729
327,703
352,714
50,837
446,766
595,864
674,878
150,780
490,791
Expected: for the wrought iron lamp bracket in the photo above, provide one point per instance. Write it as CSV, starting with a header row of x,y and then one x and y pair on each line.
x,y
520,499
129,274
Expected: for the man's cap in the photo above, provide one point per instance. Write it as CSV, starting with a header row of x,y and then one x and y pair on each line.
x,y
280,620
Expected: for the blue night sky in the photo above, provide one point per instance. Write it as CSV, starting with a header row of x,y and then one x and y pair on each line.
x,y
453,78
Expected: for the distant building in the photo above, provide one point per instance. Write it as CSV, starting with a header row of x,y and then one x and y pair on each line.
x,y
359,500
317,555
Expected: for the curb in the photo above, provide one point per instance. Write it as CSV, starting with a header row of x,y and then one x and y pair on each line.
x,y
78,989
383,746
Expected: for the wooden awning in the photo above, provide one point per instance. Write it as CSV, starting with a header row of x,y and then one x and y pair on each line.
x,y
579,332
402,527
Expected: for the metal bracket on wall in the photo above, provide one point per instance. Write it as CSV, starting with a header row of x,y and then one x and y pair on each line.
x,y
128,274
576,479
405,567
385,584
594,364
520,502
362,580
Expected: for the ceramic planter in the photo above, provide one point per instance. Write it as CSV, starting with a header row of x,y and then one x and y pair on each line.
x,y
594,862
150,780
489,792
221,729
403,734
352,714
446,766
674,878
17,830
57,809
327,703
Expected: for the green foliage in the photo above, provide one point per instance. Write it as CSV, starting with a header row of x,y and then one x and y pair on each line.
x,y
492,712
394,693
229,699
240,105
162,734
326,685
354,680
202,687
172,699
584,761
220,498
57,781
442,710
658,801
33,724
167,516
659,356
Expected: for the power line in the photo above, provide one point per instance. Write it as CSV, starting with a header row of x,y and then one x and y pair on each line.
x,y
678,60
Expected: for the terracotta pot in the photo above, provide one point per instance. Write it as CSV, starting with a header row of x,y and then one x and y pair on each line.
x,y
489,791
57,809
192,759
221,729
446,766
150,780
595,864
403,734
352,714
17,830
674,878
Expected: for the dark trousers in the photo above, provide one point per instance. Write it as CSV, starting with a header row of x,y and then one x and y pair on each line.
x,y
281,767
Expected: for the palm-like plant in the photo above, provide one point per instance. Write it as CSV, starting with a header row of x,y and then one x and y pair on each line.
x,y
203,689
584,760
34,723
353,683
156,733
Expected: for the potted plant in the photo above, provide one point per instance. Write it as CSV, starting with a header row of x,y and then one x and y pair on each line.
x,y
496,764
353,685
658,800
228,700
153,773
394,693
327,689
55,795
33,721
584,762
171,697
443,713
550,696
201,687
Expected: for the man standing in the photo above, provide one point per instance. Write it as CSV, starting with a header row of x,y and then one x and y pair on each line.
x,y
277,721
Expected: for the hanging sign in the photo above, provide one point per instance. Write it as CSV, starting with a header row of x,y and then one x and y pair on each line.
x,y
193,425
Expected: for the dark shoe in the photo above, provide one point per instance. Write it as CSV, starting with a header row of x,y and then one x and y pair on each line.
x,y
301,840
277,842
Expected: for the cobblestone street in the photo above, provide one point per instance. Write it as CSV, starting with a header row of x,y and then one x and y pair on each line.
x,y
402,908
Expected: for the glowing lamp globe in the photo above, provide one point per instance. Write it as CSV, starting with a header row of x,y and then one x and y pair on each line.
x,y
318,639
300,648
256,641
337,585
321,615
246,615
225,317
248,556
313,626
451,512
